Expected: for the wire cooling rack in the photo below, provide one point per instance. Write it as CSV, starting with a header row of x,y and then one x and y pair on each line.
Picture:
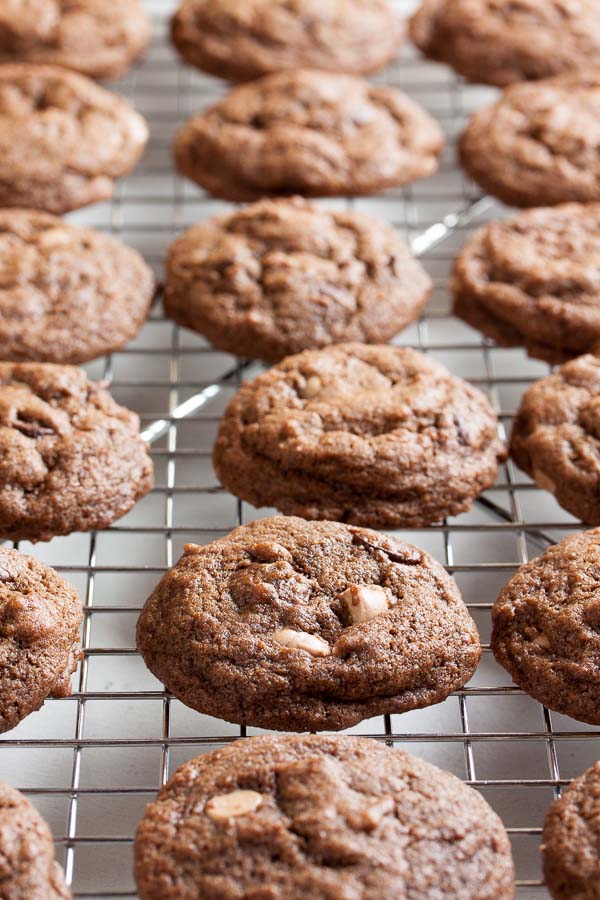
x,y
91,762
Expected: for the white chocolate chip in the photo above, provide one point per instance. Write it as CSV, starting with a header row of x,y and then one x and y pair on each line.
x,y
54,237
365,602
544,481
300,640
237,803
541,641
312,387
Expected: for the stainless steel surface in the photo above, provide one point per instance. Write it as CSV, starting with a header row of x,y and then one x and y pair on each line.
x,y
91,762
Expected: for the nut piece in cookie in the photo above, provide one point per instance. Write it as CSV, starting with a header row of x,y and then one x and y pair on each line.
x,y
500,41
40,615
538,145
281,276
532,281
99,38
571,838
67,294
546,627
299,626
308,132
373,435
63,139
241,41
327,817
71,459
29,868
555,436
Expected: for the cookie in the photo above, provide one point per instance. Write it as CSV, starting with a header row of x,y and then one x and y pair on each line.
x,y
500,42
71,459
100,38
372,435
546,627
281,276
308,132
555,436
63,139
28,868
67,294
40,615
244,41
321,817
538,145
531,281
571,840
307,626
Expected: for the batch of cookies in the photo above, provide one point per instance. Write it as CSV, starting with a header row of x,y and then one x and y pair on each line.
x,y
312,620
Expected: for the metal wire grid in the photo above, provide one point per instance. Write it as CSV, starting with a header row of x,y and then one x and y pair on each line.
x,y
91,762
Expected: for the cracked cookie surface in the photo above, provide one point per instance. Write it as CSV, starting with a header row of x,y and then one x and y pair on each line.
x,y
299,626
308,132
556,436
539,145
532,281
71,459
40,615
546,627
281,276
500,42
243,41
571,839
28,868
67,294
99,38
63,139
329,817
372,435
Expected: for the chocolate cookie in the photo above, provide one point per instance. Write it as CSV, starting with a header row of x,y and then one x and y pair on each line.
x,y
540,143
40,615
373,435
71,459
532,281
28,868
571,840
500,41
63,139
243,41
323,817
307,626
308,132
547,627
282,276
555,436
100,38
67,294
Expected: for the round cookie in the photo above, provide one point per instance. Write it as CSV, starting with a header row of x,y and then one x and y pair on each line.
x,y
99,38
501,42
539,145
307,626
320,817
372,435
67,294
63,139
243,41
532,281
555,436
28,868
281,276
40,615
308,132
546,627
71,459
571,839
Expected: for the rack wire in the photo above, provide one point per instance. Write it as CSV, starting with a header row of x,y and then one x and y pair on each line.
x,y
92,761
